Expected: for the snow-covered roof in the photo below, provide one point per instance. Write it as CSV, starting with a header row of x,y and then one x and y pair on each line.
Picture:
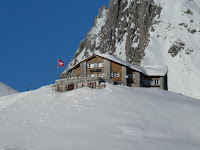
x,y
155,70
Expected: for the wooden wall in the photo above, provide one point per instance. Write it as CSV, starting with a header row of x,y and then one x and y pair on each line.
x,y
131,72
77,71
95,59
149,78
116,68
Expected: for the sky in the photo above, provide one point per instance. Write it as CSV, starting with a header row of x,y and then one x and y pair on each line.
x,y
33,34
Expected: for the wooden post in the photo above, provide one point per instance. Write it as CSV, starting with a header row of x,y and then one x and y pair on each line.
x,y
9,91
30,86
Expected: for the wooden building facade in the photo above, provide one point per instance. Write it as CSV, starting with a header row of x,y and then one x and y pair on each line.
x,y
97,69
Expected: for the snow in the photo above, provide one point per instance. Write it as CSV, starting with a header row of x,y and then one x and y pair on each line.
x,y
114,118
6,90
155,70
184,69
94,32
120,47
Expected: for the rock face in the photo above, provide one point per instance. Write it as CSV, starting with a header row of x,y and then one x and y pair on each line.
x,y
149,32
121,30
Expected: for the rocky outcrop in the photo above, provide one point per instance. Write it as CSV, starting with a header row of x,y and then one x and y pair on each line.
x,y
176,48
120,30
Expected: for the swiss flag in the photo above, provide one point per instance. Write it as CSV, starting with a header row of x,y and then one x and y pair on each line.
x,y
60,63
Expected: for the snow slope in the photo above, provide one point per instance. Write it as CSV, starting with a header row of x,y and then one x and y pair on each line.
x,y
175,25
114,118
4,90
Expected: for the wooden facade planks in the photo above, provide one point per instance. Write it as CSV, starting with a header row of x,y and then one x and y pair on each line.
x,y
78,71
147,79
113,72
131,72
116,68
93,60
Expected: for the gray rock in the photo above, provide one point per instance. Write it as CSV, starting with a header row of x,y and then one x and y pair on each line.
x,y
176,48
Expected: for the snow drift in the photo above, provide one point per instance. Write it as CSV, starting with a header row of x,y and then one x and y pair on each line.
x,y
114,118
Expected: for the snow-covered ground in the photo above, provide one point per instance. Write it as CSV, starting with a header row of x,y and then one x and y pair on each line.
x,y
114,118
6,90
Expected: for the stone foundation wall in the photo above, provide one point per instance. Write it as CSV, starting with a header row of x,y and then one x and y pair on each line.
x,y
61,85
83,69
124,73
107,71
163,83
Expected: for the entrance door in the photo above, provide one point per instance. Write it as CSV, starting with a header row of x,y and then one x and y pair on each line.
x,y
70,87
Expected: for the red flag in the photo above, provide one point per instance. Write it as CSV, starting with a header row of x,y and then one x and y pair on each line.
x,y
60,63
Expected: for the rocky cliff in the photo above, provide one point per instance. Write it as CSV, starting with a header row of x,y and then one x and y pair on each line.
x,y
121,30
148,32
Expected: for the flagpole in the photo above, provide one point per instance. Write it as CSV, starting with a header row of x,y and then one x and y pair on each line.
x,y
57,69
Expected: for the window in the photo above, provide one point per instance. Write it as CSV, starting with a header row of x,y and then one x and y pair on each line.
x,y
115,74
146,82
88,65
155,82
133,76
118,75
101,75
100,64
93,75
129,76
95,65
112,75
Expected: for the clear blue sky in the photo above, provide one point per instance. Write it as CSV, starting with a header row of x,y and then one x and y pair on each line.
x,y
33,33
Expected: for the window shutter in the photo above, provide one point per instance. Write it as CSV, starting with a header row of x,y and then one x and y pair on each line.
x,y
88,65
112,75
149,82
118,75
158,82
153,82
133,76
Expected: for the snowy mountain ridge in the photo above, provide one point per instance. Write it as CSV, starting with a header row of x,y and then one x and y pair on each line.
x,y
115,118
149,32
6,90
